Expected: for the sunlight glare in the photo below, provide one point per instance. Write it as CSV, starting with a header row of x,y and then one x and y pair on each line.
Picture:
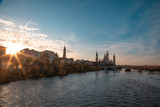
x,y
13,48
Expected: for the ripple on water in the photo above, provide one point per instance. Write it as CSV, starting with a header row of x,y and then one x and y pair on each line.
x,y
86,89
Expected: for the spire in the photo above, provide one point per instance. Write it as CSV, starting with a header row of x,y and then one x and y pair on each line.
x,y
96,53
96,56
107,56
114,59
64,52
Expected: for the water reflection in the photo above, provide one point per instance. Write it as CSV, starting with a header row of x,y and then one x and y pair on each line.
x,y
99,88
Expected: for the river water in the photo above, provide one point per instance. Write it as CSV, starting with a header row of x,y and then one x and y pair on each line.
x,y
90,89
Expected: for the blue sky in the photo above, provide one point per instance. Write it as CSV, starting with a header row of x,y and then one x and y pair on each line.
x,y
128,28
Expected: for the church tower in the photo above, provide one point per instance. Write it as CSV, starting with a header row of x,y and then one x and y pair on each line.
x,y
107,56
64,52
114,59
96,56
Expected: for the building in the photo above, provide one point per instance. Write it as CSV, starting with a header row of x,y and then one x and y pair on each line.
x,y
64,52
2,53
44,55
114,59
84,62
96,56
49,55
2,50
69,60
28,55
106,57
64,59
32,52
106,61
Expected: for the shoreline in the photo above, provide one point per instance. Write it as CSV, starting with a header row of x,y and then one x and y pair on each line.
x,y
1,83
46,77
41,69
67,73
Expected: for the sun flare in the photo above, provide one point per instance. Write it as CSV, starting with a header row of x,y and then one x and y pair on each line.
x,y
13,48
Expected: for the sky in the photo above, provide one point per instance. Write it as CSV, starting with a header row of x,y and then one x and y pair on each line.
x,y
128,28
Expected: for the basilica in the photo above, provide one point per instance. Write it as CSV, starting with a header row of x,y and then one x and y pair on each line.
x,y
106,60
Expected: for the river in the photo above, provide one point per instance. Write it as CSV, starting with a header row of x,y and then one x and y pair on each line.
x,y
90,89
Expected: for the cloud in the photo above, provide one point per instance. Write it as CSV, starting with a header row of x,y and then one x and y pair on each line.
x,y
42,35
134,52
7,23
70,51
1,40
27,28
30,39
142,43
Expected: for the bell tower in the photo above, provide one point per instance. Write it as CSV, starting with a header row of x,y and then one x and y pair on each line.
x,y
64,52
96,56
114,59
107,56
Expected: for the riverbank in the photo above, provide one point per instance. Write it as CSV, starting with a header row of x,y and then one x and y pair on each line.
x,y
140,68
42,69
99,88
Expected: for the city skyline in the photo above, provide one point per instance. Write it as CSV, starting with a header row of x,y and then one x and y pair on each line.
x,y
130,29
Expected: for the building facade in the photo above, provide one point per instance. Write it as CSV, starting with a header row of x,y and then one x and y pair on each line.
x,y
2,53
106,61
44,55
64,59
2,50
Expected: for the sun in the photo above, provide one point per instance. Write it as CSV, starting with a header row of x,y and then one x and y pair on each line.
x,y
13,48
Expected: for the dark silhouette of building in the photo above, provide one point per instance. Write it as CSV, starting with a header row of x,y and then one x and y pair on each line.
x,y
2,50
64,59
2,53
106,61
64,52
96,56
106,57
114,59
